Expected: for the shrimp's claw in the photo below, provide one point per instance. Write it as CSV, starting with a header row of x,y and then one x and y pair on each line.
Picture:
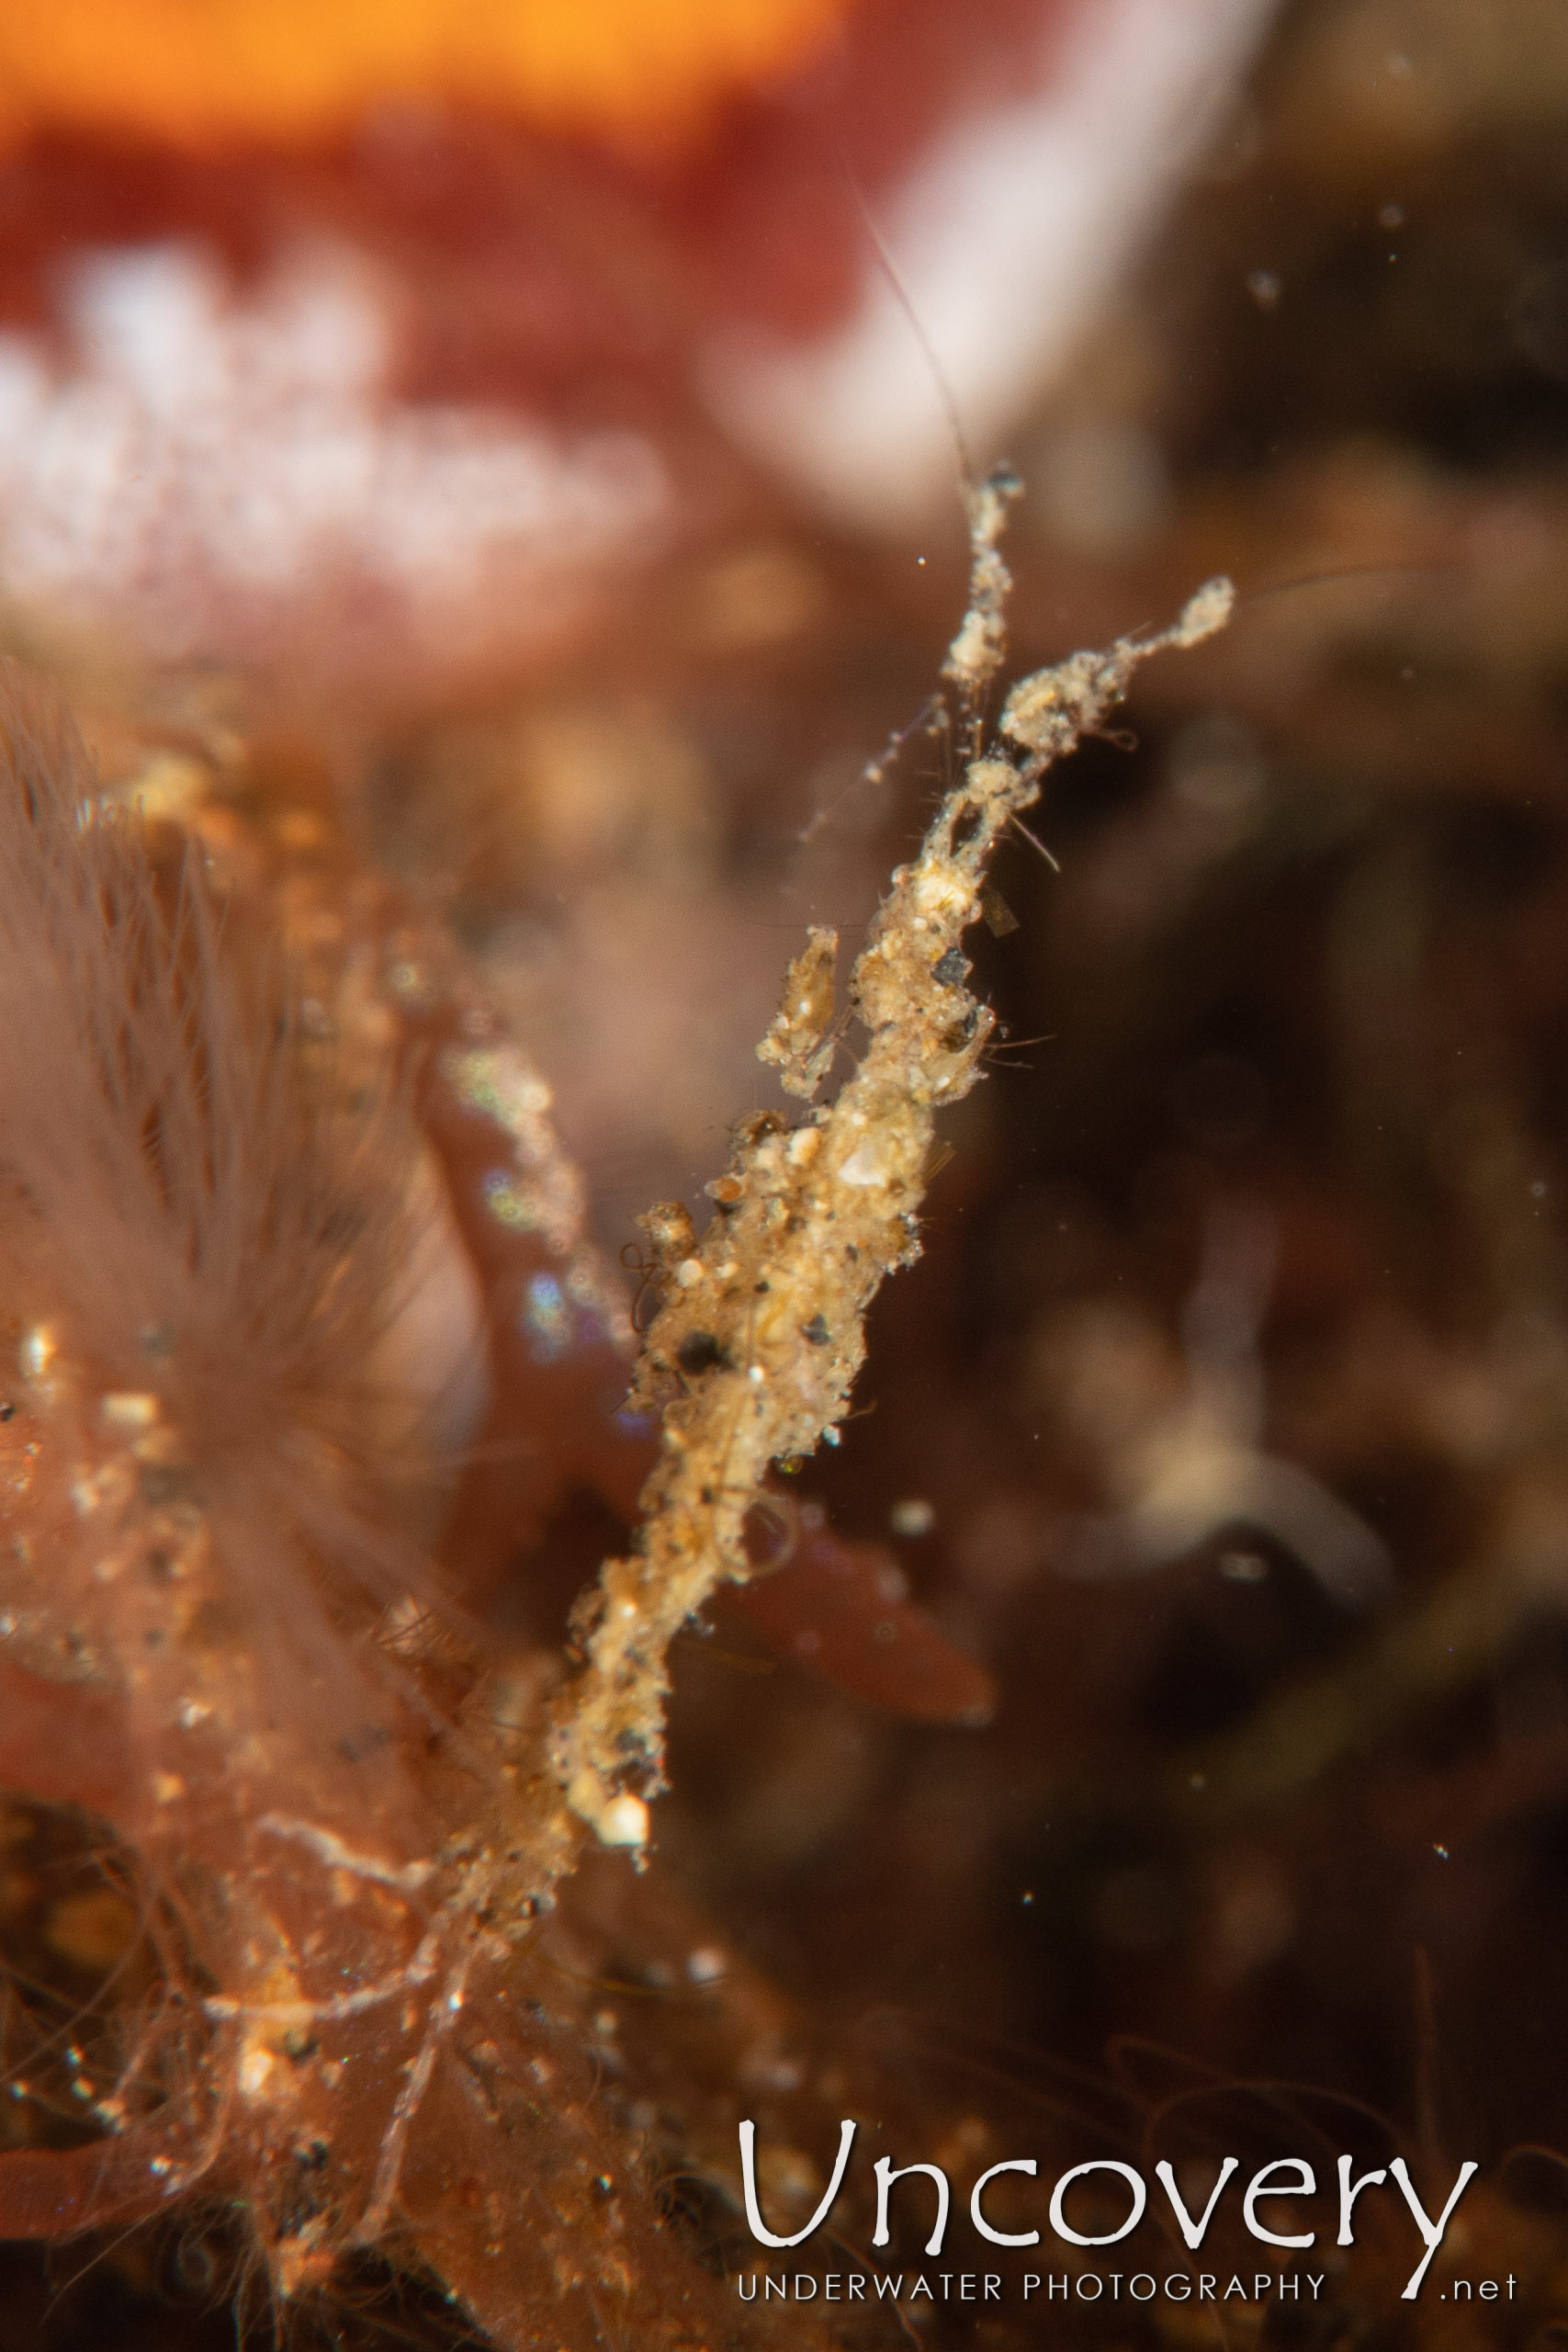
x,y
843,1610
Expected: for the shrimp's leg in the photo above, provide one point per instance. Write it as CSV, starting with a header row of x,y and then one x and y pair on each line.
x,y
58,2192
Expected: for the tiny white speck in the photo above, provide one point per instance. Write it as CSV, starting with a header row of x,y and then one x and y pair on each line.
x,y
912,1516
130,1409
624,1821
254,2068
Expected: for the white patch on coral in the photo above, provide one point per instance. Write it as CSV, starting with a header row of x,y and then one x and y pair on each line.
x,y
211,473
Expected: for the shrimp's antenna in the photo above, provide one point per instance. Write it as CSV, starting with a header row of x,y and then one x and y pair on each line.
x,y
1346,572
932,715
889,269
